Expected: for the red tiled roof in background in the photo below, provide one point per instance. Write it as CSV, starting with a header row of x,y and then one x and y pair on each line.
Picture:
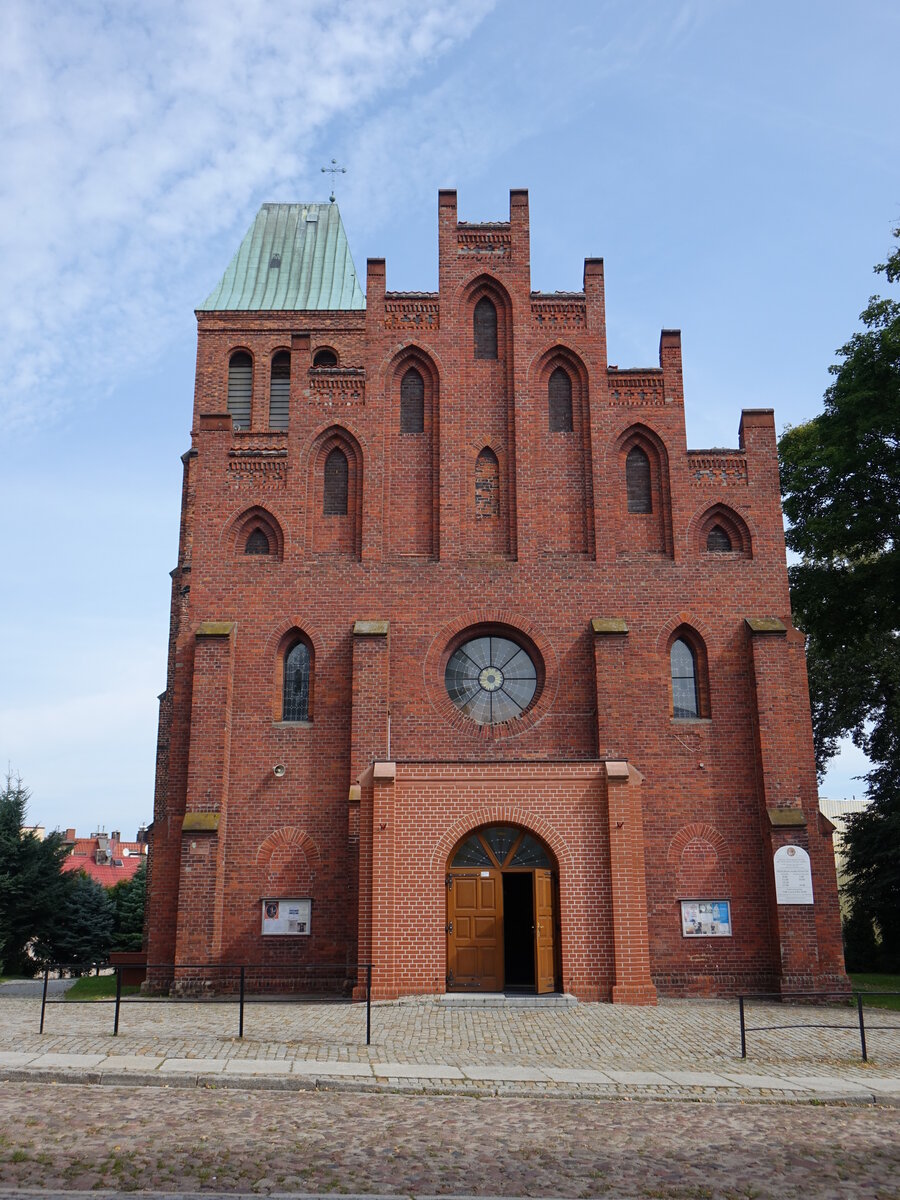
x,y
105,874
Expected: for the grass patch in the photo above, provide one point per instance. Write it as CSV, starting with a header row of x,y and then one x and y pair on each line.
x,y
98,987
878,983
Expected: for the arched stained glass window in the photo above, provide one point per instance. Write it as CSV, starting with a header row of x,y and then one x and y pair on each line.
x,y
412,402
337,473
637,481
280,391
685,698
484,322
717,540
501,846
559,402
295,704
257,543
240,388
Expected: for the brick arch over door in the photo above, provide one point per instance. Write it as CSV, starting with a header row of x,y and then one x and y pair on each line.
x,y
339,529
412,456
501,814
643,508
565,506
486,410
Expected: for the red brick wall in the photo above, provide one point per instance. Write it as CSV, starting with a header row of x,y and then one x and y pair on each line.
x,y
412,551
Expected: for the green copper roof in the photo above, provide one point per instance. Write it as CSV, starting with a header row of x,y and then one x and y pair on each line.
x,y
294,256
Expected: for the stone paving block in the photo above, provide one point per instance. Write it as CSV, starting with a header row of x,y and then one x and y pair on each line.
x,y
697,1078
638,1078
824,1083
72,1062
257,1066
514,1074
576,1075
766,1082
194,1066
890,1087
130,1062
302,1066
16,1058
393,1070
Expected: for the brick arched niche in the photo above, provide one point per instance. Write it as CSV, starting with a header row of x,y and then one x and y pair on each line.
x,y
413,386
721,533
486,413
335,493
698,859
287,863
643,499
256,534
565,506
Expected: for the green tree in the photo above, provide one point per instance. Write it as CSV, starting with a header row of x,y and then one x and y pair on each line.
x,y
128,898
32,886
840,475
84,932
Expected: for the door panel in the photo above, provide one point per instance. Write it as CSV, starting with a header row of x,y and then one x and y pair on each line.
x,y
475,940
544,947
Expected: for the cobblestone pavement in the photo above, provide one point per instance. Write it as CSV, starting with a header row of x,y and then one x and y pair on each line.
x,y
174,1140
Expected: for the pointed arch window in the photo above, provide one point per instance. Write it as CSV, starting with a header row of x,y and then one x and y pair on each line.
x,y
280,391
257,543
487,485
337,475
637,481
412,402
685,693
559,402
297,670
240,388
718,541
484,322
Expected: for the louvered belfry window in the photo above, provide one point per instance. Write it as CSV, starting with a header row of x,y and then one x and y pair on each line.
x,y
637,481
487,485
485,329
280,391
559,401
240,388
337,473
325,358
718,541
412,402
257,543
295,704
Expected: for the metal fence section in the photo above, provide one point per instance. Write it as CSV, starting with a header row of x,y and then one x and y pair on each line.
x,y
234,974
820,998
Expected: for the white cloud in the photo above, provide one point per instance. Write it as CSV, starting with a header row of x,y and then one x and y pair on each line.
x,y
132,134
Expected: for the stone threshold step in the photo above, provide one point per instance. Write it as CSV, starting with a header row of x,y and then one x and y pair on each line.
x,y
502,1000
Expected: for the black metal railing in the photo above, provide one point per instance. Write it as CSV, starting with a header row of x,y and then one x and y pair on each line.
x,y
185,974
800,998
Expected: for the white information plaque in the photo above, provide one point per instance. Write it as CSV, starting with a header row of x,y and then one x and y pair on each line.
x,y
286,916
706,918
793,876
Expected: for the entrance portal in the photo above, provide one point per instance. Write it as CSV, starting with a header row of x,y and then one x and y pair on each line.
x,y
501,913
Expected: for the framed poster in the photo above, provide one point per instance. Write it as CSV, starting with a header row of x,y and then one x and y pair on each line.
x,y
793,876
706,918
286,916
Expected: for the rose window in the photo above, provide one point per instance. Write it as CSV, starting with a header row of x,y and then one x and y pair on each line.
x,y
491,679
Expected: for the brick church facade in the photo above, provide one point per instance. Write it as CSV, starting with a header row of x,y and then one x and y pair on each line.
x,y
476,672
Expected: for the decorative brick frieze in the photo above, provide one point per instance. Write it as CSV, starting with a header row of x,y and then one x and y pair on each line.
x,y
718,467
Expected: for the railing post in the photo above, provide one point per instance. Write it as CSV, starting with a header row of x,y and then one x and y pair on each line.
x,y
743,1028
368,1004
241,1022
862,1026
44,995
118,971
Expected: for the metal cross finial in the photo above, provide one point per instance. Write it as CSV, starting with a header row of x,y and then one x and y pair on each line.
x,y
333,170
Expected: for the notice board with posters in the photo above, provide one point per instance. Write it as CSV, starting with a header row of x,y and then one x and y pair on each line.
x,y
286,916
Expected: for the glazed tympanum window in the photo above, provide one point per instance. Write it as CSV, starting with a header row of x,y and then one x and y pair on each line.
x,y
491,679
500,846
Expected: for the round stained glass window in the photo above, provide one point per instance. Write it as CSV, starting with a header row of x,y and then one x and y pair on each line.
x,y
491,679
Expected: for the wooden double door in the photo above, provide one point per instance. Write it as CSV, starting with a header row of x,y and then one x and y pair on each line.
x,y
501,914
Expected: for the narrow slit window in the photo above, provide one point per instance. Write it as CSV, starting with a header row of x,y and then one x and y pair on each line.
x,y
559,402
485,329
637,481
280,391
718,541
337,475
487,485
412,402
295,705
240,388
685,698
257,543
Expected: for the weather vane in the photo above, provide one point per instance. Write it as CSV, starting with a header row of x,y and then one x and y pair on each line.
x,y
333,170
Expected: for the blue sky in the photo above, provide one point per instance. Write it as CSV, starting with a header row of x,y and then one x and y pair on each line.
x,y
736,164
